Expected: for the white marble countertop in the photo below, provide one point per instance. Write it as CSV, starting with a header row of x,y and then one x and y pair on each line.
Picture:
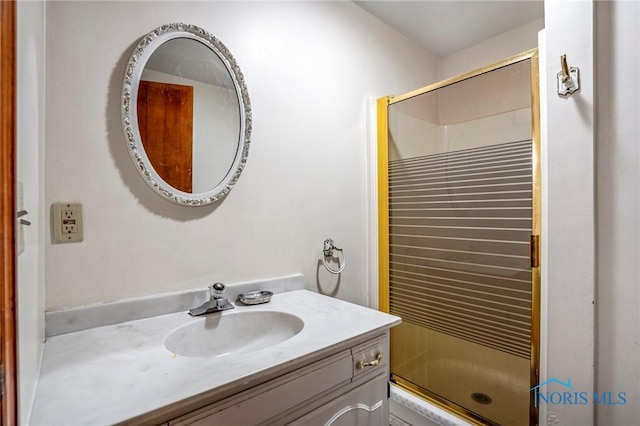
x,y
113,373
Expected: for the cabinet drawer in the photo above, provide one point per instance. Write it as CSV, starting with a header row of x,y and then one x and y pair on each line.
x,y
264,403
370,357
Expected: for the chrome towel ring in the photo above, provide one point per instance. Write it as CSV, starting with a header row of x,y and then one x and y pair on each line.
x,y
329,247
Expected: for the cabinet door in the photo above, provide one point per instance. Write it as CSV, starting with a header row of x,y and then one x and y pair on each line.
x,y
366,405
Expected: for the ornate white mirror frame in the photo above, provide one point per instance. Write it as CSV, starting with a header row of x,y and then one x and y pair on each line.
x,y
141,54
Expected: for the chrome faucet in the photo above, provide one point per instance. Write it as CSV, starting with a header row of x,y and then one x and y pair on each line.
x,y
216,303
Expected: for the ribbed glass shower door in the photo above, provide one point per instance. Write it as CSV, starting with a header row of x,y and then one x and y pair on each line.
x,y
459,223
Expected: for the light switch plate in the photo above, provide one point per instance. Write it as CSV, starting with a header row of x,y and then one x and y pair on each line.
x,y
67,222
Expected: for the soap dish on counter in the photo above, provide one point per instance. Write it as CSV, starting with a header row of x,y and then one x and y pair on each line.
x,y
255,297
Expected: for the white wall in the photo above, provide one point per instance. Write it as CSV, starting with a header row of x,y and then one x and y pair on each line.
x,y
568,251
412,137
497,129
495,49
309,67
30,165
618,208
489,109
504,89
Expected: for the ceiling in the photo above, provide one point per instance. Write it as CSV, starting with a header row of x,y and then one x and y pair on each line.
x,y
445,27
190,59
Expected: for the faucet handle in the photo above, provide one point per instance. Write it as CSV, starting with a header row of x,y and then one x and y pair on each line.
x,y
216,291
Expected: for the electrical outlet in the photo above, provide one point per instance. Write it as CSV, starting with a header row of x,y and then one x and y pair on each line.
x,y
67,222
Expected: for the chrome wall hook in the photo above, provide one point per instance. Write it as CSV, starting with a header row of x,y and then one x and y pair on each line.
x,y
568,78
327,251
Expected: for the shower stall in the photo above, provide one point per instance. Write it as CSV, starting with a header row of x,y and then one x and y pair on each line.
x,y
459,224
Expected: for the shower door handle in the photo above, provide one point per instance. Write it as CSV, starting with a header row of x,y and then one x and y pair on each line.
x,y
360,365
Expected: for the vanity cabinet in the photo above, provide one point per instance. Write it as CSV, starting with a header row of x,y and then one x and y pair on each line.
x,y
348,387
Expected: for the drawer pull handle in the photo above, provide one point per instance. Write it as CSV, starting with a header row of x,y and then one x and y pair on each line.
x,y
360,365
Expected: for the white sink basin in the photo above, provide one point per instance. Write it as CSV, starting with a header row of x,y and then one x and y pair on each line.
x,y
229,333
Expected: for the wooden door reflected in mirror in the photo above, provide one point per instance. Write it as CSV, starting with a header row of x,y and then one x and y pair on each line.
x,y
165,120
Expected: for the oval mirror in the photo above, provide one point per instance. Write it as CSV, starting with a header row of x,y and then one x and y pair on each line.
x,y
186,114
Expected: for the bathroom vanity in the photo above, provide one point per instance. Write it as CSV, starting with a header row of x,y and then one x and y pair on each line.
x,y
302,358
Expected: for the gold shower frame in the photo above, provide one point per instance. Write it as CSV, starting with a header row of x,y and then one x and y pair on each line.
x,y
383,221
